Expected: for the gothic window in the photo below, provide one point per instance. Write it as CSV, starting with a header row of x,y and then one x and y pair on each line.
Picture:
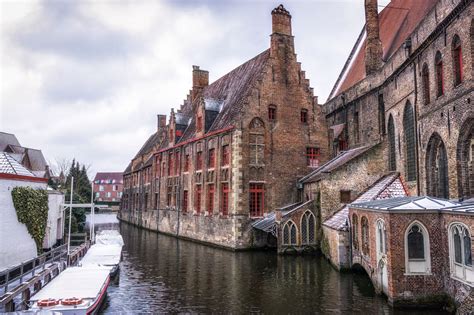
x,y
225,199
256,202
381,238
210,198
199,161
307,228
439,74
272,112
461,252
257,142
436,168
465,159
457,60
355,231
381,114
304,116
289,233
225,160
417,249
211,159
365,235
392,160
410,142
312,157
425,82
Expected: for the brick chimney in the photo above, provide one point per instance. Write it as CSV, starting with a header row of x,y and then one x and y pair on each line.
x,y
373,49
281,21
282,47
200,81
161,122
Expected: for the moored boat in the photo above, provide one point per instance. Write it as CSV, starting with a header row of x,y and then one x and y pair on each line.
x,y
75,291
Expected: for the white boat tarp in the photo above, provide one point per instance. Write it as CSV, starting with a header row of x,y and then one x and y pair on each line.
x,y
109,237
100,254
79,282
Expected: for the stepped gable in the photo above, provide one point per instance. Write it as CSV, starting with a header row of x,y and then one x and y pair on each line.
x,y
389,186
396,22
231,89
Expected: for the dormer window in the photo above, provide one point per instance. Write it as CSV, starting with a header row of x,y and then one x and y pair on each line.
x,y
272,112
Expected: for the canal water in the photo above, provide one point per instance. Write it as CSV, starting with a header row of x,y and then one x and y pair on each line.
x,y
161,274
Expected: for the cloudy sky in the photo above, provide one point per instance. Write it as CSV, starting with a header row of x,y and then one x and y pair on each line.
x,y
85,79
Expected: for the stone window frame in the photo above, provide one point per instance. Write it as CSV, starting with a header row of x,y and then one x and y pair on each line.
x,y
436,167
197,199
439,74
185,202
355,231
456,52
412,263
455,267
312,156
308,238
381,237
290,233
409,131
211,191
392,144
365,234
425,83
256,199
225,190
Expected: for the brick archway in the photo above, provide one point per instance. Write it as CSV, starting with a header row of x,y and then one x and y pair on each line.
x,y
465,159
437,182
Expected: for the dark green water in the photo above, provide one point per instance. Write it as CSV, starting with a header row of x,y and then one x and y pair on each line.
x,y
160,274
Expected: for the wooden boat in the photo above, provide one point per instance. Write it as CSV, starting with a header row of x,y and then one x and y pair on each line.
x,y
75,291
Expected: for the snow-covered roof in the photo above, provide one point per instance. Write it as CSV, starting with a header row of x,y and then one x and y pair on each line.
x,y
8,165
408,203
104,255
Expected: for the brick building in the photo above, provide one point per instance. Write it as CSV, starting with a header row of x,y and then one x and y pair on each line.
x,y
417,250
108,188
232,152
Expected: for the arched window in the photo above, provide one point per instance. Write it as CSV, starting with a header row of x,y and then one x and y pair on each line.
x,y
355,231
381,238
365,235
417,249
425,81
436,168
289,233
465,159
460,253
257,141
457,60
409,131
439,74
392,160
307,228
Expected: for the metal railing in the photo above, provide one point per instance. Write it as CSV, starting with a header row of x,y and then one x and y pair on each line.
x,y
30,267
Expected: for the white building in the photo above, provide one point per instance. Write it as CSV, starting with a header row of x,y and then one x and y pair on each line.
x,y
16,244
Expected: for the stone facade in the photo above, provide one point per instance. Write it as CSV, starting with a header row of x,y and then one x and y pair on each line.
x,y
232,152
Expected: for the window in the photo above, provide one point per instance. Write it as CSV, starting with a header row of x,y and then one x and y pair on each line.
x,y
109,194
257,149
187,162
381,114
355,231
185,201
457,60
307,228
225,155
365,235
409,130
381,238
176,163
211,158
461,252
272,112
425,81
312,157
304,116
345,196
436,168
392,160
356,127
210,199
289,233
257,192
439,74
169,195
97,194
197,199
417,249
225,199
114,187
199,161
101,188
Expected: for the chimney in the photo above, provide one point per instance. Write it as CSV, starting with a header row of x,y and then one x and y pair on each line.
x,y
161,122
373,48
281,21
200,81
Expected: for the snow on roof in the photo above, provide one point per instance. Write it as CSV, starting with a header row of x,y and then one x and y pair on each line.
x,y
408,203
8,165
104,255
79,282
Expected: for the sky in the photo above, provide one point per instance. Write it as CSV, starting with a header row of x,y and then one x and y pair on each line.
x,y
86,79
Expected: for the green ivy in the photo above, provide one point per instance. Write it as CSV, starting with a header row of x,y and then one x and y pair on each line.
x,y
31,207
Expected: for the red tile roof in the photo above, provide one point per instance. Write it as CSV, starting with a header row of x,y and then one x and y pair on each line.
x,y
397,21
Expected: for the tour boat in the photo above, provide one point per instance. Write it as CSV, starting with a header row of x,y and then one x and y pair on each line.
x,y
75,291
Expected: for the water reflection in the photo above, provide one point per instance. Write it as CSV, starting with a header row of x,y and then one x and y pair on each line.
x,y
162,274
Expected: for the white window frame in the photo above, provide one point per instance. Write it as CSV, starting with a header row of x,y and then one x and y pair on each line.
x,y
467,271
411,264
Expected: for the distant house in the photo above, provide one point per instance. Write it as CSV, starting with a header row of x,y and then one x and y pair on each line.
x,y
18,245
108,188
32,159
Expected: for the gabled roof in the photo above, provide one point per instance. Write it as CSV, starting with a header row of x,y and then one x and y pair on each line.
x,y
8,165
407,203
229,93
396,22
7,139
340,160
388,186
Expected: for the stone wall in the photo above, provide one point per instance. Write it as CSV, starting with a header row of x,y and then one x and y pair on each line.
x,y
335,245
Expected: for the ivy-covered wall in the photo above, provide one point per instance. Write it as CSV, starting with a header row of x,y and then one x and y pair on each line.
x,y
31,206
